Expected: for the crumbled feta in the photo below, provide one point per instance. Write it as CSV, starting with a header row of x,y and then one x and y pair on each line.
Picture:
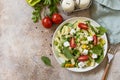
x,y
66,44
72,31
90,38
85,52
94,56
61,60
81,64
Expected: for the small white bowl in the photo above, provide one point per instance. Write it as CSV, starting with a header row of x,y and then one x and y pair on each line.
x,y
76,9
92,23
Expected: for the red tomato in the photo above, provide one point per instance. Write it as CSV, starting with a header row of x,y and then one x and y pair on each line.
x,y
83,58
83,26
46,22
57,18
72,43
95,40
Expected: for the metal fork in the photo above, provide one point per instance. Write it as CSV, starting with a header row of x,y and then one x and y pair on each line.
x,y
111,52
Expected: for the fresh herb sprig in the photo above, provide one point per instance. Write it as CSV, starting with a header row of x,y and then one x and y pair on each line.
x,y
39,5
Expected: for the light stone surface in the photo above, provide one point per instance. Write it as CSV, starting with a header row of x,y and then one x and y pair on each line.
x,y
22,43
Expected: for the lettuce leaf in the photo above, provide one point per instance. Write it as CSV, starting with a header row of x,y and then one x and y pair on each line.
x,y
97,50
98,30
102,30
99,59
67,53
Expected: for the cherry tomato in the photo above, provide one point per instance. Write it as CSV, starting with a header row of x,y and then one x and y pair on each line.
x,y
83,58
57,18
72,43
46,22
95,40
83,26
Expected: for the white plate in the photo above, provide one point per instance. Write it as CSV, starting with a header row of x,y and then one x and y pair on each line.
x,y
73,20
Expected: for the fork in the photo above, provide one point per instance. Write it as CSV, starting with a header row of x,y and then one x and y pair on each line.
x,y
111,52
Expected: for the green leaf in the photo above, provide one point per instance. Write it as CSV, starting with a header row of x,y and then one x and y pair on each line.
x,y
53,9
47,2
97,50
36,13
99,59
67,53
55,1
46,60
98,30
92,28
102,30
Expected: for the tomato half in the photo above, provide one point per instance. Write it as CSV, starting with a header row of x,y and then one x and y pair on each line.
x,y
72,42
95,40
83,26
83,58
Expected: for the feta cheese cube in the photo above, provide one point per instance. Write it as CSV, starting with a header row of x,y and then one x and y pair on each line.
x,y
66,44
94,56
90,38
85,52
81,64
72,31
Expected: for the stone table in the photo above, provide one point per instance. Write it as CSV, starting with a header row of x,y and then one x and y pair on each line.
x,y
22,43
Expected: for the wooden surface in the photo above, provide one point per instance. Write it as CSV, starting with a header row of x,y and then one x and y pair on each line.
x,y
22,43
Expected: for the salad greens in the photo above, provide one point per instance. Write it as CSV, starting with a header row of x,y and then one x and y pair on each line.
x,y
98,30
102,30
67,53
80,44
97,49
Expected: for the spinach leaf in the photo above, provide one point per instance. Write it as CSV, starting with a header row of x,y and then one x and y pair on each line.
x,y
46,60
98,30
67,53
102,30
89,25
97,50
99,59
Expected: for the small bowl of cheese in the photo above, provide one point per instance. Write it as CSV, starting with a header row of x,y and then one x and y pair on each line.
x,y
70,6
